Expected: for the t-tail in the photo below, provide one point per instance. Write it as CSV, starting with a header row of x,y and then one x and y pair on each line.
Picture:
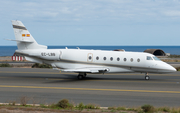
x,y
23,38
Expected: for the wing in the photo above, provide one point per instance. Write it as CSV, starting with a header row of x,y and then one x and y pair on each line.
x,y
86,70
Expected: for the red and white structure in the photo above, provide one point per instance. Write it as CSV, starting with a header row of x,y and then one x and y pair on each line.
x,y
17,58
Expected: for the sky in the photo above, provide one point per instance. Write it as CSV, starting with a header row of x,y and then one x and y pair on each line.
x,y
94,22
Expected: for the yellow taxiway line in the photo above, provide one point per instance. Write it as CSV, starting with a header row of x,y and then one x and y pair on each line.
x,y
89,89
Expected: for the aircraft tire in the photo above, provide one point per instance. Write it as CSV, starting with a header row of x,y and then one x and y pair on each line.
x,y
80,77
147,77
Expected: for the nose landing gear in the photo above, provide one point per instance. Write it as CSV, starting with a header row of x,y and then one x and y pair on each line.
x,y
147,77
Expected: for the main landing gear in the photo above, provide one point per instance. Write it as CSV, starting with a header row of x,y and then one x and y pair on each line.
x,y
81,76
147,77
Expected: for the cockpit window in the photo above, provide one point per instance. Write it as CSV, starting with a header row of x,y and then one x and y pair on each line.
x,y
149,58
155,58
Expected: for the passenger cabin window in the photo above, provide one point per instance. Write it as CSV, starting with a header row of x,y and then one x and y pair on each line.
x,y
104,58
118,59
125,59
149,58
90,57
156,58
97,58
111,58
131,59
138,60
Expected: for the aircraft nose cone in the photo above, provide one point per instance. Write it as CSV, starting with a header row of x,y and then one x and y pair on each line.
x,y
170,68
166,68
173,69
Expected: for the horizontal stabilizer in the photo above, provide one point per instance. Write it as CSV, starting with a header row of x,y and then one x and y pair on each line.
x,y
27,41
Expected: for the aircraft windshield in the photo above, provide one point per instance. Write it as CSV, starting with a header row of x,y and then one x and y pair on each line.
x,y
155,58
149,58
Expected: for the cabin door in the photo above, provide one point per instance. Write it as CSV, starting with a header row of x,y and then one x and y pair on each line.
x,y
60,55
90,57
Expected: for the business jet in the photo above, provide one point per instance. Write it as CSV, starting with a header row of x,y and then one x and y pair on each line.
x,y
83,61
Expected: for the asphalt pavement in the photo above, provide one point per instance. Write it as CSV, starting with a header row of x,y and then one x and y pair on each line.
x,y
47,86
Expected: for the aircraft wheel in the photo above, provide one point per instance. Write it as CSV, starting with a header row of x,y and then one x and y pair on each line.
x,y
147,77
80,77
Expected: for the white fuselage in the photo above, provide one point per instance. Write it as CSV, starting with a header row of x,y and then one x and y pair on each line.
x,y
111,61
86,61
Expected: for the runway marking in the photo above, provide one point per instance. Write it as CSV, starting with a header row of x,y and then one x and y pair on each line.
x,y
91,89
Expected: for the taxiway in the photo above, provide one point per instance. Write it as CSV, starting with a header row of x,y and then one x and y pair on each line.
x,y
50,86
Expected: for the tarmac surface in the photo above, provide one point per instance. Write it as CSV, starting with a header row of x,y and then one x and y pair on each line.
x,y
47,86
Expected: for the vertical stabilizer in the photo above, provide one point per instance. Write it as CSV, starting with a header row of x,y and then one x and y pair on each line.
x,y
23,38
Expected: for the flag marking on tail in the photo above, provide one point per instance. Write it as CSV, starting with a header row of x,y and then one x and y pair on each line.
x,y
23,35
26,35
